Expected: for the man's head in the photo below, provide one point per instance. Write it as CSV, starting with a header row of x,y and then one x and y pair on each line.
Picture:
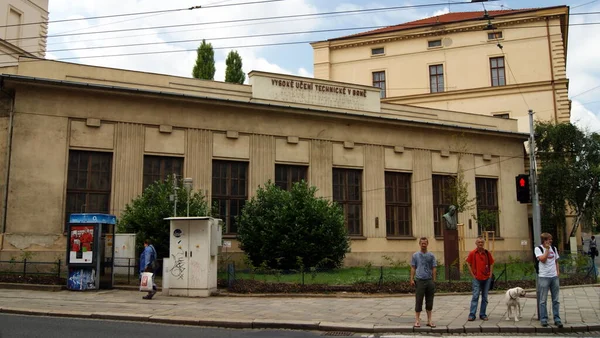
x,y
546,238
479,242
593,237
423,243
147,242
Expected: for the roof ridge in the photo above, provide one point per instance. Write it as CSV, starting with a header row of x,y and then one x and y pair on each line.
x,y
446,18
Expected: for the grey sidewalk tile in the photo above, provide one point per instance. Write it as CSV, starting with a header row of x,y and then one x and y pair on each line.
x,y
440,329
594,326
392,328
526,328
285,324
472,329
120,316
174,320
352,327
456,329
489,328
507,327
578,327
234,323
541,329
69,314
24,311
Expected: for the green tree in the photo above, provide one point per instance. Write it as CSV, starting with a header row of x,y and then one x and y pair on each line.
x,y
568,176
285,229
205,62
233,72
145,215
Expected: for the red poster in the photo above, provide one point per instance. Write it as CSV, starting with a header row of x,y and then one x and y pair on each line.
x,y
82,244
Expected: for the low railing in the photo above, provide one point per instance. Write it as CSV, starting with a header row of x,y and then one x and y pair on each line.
x,y
29,267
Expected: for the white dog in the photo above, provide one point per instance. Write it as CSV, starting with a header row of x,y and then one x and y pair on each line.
x,y
513,305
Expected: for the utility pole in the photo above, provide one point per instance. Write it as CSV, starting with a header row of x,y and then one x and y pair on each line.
x,y
535,205
535,202
173,197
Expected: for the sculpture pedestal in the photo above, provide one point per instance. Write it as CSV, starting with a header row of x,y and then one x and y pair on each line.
x,y
451,257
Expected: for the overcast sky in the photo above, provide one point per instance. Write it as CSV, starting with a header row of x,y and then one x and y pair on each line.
x,y
178,44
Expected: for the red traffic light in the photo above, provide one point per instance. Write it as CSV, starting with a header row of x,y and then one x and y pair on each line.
x,y
522,182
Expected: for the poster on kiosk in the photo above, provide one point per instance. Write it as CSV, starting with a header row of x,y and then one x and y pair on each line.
x,y
90,251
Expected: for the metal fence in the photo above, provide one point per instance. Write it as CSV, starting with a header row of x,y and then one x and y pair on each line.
x,y
29,267
580,265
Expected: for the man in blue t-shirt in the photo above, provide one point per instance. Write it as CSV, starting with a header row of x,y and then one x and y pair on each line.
x,y
423,274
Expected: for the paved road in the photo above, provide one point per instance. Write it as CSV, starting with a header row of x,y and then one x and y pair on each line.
x,y
580,311
15,326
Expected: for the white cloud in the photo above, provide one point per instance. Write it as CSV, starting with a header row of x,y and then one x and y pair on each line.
x,y
165,52
584,118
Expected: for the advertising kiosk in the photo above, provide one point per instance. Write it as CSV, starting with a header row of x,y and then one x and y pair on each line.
x,y
90,251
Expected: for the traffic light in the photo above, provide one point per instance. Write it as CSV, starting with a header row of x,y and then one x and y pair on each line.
x,y
523,194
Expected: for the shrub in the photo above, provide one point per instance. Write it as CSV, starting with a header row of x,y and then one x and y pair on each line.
x,y
292,229
145,215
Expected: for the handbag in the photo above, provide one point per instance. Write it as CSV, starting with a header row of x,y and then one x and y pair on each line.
x,y
493,281
146,282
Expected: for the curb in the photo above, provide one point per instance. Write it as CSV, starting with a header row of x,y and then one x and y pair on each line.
x,y
301,325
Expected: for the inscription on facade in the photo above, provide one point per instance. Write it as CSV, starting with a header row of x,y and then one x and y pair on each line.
x,y
302,85
317,93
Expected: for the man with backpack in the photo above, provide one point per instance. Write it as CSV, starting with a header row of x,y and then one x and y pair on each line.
x,y
481,267
548,272
148,263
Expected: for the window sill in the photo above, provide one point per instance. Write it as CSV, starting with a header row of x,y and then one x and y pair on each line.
x,y
358,237
405,238
230,236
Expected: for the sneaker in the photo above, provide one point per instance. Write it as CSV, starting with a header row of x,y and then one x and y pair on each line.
x,y
559,324
484,318
148,296
471,319
545,324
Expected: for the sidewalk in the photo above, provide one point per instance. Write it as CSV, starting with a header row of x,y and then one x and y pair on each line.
x,y
580,311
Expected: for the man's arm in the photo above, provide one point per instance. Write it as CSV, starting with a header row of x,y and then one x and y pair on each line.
x,y
412,275
544,255
557,269
434,273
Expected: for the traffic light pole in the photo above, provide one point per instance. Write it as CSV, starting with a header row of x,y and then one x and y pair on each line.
x,y
535,205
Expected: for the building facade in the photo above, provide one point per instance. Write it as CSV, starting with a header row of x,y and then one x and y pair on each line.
x,y
23,30
498,63
88,139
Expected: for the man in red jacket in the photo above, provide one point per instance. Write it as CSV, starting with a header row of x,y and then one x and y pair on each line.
x,y
481,265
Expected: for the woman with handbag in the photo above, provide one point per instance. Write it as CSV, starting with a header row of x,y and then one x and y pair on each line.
x,y
148,264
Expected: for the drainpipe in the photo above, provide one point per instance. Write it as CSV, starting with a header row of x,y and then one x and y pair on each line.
x,y
551,69
8,153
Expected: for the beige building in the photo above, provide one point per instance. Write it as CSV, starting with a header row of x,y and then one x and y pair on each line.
x,y
88,139
23,30
499,63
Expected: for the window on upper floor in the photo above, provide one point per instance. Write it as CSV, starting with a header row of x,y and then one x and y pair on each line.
x,y
157,168
494,35
14,21
378,51
502,115
497,71
287,175
347,192
436,78
434,43
379,82
397,204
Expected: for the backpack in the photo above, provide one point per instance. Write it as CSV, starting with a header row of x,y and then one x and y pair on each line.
x,y
154,264
536,263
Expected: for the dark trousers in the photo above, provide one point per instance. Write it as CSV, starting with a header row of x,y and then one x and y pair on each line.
x,y
425,287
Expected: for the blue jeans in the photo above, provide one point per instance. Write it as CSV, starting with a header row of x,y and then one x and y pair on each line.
x,y
552,284
479,286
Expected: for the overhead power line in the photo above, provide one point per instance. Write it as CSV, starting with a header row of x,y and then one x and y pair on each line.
x,y
138,13
249,20
353,39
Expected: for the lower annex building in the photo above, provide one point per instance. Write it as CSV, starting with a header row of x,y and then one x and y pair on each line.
x,y
78,138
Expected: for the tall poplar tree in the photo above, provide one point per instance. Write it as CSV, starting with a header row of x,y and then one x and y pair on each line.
x,y
234,73
205,62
